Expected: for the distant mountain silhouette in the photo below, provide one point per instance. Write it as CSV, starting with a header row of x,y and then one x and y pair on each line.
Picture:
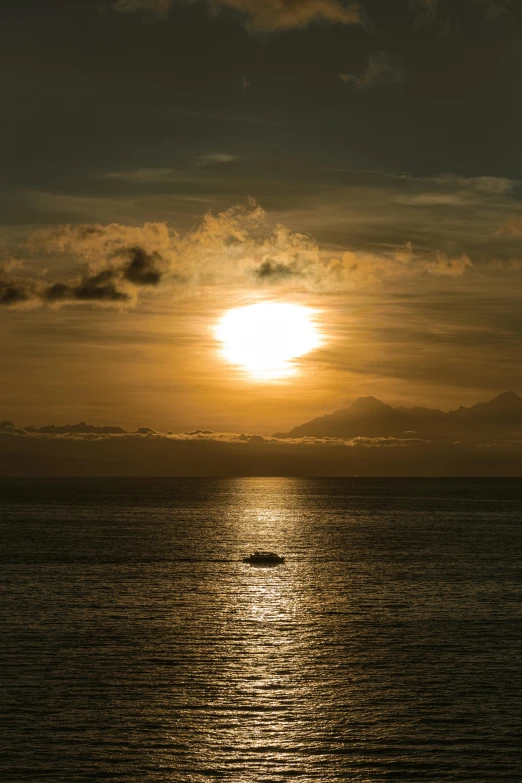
x,y
369,417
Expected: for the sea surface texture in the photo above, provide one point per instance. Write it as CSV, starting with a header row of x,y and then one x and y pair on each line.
x,y
135,645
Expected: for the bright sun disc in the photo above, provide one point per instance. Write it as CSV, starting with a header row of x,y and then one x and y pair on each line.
x,y
264,338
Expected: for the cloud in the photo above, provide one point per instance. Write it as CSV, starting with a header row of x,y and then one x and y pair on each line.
x,y
129,268
493,9
490,186
382,68
159,8
364,269
88,432
170,174
273,15
146,175
90,288
512,226
215,158
455,191
15,290
228,248
81,428
120,260
430,12
234,248
97,243
272,270
426,11
142,268
263,15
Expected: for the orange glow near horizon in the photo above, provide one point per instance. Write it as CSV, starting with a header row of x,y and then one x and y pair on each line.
x,y
264,339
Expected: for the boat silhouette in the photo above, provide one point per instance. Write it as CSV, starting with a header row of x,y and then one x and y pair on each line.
x,y
264,558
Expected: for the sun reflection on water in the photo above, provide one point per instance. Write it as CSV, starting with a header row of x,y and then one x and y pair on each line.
x,y
270,661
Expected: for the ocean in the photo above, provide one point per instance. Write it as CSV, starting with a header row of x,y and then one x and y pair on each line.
x,y
136,645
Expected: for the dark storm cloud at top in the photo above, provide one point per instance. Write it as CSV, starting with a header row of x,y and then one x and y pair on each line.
x,y
79,102
80,126
95,134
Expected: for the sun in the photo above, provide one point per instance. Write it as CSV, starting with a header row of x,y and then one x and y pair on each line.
x,y
265,338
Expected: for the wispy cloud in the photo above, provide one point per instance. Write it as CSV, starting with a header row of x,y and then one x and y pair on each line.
x,y
493,186
457,191
215,159
159,8
158,174
382,68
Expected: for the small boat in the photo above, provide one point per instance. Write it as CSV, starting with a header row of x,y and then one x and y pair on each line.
x,y
264,558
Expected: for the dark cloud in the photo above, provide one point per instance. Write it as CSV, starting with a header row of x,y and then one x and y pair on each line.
x,y
275,271
102,287
382,68
82,427
123,271
142,268
106,286
16,290
13,293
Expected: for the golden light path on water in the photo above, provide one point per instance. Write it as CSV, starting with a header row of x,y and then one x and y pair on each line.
x,y
266,665
266,338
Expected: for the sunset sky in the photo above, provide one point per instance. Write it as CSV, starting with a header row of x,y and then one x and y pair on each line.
x,y
164,162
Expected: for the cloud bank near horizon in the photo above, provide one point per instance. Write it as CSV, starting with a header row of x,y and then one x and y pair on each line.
x,y
88,450
90,432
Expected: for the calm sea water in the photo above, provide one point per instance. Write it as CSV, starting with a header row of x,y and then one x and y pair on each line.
x,y
135,645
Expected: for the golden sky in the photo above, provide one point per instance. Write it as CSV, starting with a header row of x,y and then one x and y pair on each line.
x,y
266,153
